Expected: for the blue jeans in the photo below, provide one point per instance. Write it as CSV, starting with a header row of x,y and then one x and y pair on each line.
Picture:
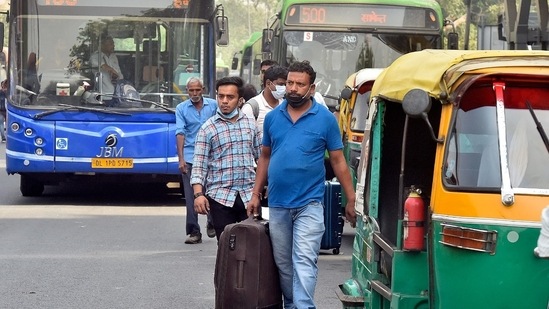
x,y
192,226
296,234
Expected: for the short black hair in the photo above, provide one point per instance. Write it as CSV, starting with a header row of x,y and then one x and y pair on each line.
x,y
231,80
275,72
249,92
269,62
303,67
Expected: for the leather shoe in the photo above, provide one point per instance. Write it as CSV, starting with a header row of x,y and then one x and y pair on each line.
x,y
210,230
194,239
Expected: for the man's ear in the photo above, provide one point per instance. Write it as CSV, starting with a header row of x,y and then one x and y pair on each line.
x,y
241,101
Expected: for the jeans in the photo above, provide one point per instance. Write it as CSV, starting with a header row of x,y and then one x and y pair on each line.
x,y
296,235
192,226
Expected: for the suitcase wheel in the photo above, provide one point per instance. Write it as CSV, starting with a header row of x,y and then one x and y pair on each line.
x,y
335,251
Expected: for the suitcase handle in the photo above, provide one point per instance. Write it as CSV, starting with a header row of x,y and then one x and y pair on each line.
x,y
258,219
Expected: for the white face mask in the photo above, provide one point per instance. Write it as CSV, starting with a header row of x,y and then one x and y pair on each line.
x,y
279,92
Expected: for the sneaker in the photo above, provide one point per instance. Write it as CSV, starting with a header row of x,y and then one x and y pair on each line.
x,y
194,239
3,140
210,230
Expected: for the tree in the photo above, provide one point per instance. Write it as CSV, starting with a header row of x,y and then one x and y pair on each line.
x,y
245,17
483,12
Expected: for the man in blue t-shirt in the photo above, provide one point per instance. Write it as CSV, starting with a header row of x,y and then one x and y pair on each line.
x,y
189,117
296,136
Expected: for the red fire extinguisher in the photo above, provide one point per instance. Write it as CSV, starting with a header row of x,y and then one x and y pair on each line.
x,y
414,221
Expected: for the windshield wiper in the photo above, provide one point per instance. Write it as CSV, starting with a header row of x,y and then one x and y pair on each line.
x,y
539,126
65,107
25,90
144,101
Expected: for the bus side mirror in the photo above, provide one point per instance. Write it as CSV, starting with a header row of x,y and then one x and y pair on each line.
x,y
222,30
257,66
266,40
416,104
234,64
2,36
453,40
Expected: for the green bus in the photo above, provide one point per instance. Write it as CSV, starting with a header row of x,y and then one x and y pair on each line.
x,y
248,60
342,37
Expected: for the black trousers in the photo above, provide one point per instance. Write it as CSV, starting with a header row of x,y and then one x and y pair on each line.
x,y
223,215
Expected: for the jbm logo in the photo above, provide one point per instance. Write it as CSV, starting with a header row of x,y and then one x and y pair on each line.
x,y
110,150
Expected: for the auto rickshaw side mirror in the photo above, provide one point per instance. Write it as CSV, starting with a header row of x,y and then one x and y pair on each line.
x,y
346,93
416,104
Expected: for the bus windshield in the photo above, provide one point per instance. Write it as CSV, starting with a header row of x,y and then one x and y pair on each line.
x,y
336,55
156,57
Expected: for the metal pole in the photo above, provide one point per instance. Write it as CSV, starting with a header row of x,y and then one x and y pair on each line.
x,y
467,26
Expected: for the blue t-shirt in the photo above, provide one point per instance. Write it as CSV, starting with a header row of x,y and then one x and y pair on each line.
x,y
296,172
188,121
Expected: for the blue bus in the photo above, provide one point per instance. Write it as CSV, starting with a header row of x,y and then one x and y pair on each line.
x,y
61,126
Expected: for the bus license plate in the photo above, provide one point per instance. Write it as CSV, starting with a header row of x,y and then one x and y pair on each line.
x,y
111,163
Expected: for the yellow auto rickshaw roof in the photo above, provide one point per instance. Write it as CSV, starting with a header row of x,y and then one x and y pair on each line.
x,y
437,71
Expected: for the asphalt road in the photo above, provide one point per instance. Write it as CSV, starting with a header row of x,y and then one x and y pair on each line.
x,y
102,247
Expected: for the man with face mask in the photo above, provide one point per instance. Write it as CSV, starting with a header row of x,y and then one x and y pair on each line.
x,y
296,135
274,81
227,146
189,116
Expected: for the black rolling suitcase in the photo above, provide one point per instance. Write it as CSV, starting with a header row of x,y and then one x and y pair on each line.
x,y
246,276
333,220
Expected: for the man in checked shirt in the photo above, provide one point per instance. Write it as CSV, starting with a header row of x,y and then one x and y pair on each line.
x,y
226,149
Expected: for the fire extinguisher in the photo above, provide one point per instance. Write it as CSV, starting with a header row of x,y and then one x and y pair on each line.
x,y
414,221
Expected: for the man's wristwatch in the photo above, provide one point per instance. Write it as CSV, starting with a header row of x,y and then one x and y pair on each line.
x,y
196,195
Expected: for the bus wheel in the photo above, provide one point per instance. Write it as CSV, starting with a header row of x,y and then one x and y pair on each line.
x,y
30,186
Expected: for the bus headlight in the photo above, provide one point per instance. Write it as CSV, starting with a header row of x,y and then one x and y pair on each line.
x,y
15,127
39,151
39,141
28,132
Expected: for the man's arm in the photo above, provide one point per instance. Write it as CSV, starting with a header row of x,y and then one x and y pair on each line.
x,y
180,138
200,170
341,170
260,181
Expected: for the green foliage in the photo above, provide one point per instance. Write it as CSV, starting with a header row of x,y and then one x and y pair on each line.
x,y
245,17
483,12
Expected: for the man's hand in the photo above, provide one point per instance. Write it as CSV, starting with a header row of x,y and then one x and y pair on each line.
x,y
253,206
183,168
112,72
350,213
201,205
